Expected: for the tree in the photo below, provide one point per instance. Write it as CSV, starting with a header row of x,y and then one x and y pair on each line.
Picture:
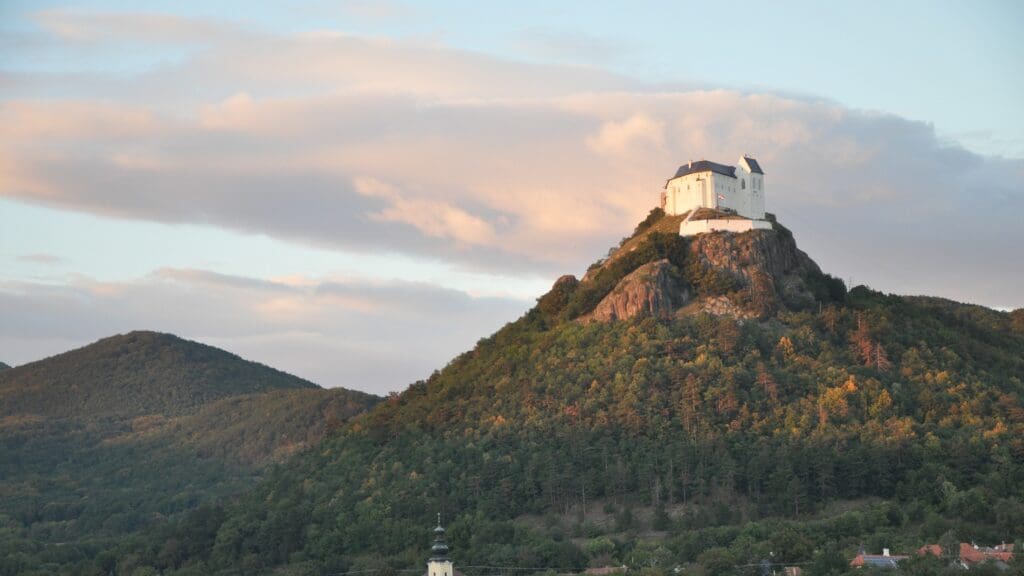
x,y
767,383
717,561
828,561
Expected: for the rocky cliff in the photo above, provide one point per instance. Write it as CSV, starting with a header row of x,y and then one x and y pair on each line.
x,y
768,270
656,272
655,288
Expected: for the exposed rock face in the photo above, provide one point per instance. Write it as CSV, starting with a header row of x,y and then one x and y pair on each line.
x,y
723,306
766,262
747,275
655,288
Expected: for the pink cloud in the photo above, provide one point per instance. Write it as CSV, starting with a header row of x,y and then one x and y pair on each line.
x,y
488,163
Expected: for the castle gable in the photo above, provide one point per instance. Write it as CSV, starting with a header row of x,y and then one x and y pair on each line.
x,y
751,165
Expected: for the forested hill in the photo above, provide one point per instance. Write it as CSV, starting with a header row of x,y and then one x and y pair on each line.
x,y
4,366
731,402
134,374
134,431
700,402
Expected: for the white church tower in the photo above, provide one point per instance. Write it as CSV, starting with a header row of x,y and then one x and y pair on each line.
x,y
439,563
733,196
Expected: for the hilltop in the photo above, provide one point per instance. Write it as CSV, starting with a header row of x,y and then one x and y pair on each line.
x,y
136,430
657,271
744,403
134,374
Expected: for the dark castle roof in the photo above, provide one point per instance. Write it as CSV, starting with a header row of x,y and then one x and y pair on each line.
x,y
705,166
755,168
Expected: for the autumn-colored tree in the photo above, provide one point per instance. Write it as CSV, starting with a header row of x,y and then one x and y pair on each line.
x,y
767,383
869,352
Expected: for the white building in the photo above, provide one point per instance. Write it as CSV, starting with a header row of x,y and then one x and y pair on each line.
x,y
736,193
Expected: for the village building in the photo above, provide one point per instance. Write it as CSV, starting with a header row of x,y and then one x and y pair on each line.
x,y
969,555
717,197
883,560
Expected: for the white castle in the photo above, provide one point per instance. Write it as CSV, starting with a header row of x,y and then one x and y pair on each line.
x,y
733,195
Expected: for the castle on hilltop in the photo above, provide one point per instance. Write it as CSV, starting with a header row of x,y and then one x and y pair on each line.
x,y
717,197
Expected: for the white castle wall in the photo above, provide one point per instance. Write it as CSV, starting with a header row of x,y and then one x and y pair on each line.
x,y
691,227
703,189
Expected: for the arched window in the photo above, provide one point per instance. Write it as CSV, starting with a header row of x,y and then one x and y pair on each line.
x,y
743,184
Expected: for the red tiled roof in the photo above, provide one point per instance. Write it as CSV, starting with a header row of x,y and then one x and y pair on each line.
x,y
972,555
933,549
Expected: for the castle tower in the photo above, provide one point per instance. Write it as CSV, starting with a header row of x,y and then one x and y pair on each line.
x,y
439,564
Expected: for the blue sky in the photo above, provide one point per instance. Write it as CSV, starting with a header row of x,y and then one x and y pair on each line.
x,y
341,184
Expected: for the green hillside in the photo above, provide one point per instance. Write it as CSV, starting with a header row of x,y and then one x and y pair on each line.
x,y
165,426
4,366
132,375
807,423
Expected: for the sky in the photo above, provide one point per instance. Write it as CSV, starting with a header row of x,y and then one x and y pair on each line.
x,y
355,192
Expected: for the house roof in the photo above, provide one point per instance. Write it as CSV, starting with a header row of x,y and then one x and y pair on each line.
x,y
972,554
878,560
705,166
933,549
755,168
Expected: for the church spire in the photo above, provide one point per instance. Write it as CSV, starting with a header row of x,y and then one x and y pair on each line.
x,y
439,551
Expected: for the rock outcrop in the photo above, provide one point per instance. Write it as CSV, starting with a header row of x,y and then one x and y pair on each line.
x,y
656,288
747,275
767,263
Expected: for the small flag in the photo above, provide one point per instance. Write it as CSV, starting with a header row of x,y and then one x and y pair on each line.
x,y
720,197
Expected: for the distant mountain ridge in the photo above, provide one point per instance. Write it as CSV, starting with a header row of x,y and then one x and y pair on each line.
x,y
135,374
132,430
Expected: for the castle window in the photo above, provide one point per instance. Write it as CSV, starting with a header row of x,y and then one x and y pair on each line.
x,y
743,184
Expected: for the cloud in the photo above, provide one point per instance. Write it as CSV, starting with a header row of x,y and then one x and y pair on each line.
x,y
352,332
637,133
559,46
433,218
94,26
42,258
408,147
